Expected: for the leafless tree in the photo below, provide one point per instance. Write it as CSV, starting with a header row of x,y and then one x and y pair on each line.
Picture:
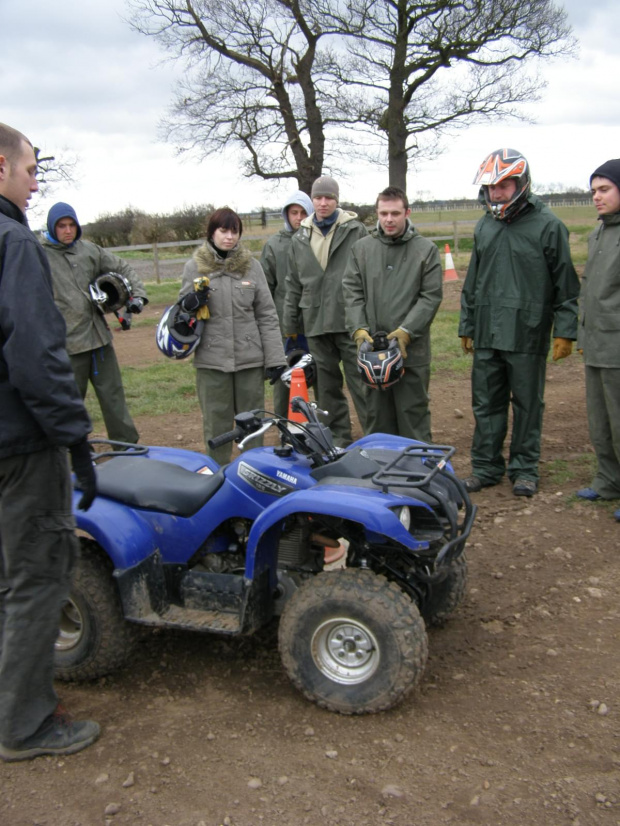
x,y
52,170
298,84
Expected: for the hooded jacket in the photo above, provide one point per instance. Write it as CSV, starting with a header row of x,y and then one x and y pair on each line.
x,y
40,405
314,302
243,329
275,252
73,268
394,282
520,284
599,328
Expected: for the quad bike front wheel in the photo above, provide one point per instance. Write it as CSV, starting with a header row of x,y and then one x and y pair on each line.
x,y
352,642
94,637
446,596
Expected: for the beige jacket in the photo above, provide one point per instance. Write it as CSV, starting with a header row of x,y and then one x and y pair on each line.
x,y
243,330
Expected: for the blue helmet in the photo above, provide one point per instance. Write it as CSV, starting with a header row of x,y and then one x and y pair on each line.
x,y
178,333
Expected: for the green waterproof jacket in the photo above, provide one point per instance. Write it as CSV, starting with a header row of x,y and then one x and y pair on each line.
x,y
394,282
520,284
599,328
314,303
273,260
73,268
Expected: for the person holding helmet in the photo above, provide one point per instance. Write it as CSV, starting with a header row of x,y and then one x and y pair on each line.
x,y
314,304
521,287
79,270
393,282
240,341
599,333
274,262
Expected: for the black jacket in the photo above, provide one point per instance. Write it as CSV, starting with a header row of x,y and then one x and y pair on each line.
x,y
40,404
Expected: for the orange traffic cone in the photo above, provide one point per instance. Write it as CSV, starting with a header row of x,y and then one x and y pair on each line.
x,y
449,273
298,388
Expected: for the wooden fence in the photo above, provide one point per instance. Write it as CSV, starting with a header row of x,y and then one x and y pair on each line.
x,y
459,230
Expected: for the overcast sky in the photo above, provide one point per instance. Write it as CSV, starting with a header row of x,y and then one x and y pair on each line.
x,y
76,79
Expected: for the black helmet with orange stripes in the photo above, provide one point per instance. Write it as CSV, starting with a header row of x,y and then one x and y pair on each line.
x,y
499,166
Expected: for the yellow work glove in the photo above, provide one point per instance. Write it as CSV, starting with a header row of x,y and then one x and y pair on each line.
x,y
201,286
467,344
403,338
360,336
562,347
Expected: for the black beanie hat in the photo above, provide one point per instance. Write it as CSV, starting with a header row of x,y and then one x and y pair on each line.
x,y
609,170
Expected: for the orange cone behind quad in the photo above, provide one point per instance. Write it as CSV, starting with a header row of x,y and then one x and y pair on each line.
x,y
449,273
298,388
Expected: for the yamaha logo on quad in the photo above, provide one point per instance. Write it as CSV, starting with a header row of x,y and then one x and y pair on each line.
x,y
261,482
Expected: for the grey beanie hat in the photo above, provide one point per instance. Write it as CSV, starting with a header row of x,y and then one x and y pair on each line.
x,y
325,186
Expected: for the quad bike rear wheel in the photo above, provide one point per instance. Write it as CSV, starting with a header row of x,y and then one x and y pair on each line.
x,y
447,595
352,642
94,637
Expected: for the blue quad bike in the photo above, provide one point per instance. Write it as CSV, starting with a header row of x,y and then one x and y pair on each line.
x,y
175,541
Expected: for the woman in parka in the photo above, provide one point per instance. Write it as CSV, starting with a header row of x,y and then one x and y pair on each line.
x,y
241,341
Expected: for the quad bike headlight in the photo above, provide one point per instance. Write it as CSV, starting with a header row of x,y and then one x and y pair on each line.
x,y
404,517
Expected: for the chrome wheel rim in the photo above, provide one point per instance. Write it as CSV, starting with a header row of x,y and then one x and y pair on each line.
x,y
71,626
345,650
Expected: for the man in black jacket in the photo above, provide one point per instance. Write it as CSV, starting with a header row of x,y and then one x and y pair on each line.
x,y
41,415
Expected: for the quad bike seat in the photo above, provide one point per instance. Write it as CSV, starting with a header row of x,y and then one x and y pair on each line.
x,y
154,485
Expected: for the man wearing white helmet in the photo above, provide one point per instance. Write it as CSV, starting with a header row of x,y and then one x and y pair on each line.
x,y
521,288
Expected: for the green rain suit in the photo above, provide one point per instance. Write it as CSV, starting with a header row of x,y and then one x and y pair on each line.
x,y
520,285
390,283
599,338
274,261
314,304
89,338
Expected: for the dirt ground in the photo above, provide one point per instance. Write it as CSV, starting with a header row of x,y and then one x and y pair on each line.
x,y
515,723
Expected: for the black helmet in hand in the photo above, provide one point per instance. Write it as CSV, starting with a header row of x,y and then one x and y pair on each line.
x,y
305,361
380,364
110,291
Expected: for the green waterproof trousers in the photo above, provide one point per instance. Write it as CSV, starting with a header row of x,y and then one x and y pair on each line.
x,y
500,379
402,409
100,367
329,350
222,395
603,402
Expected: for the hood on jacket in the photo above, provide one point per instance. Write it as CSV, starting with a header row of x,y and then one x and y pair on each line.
x,y
343,216
407,235
58,211
301,199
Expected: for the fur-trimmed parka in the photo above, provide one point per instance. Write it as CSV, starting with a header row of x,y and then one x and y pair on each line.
x,y
243,330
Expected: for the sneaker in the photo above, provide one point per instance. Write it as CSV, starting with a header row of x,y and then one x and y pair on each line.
x,y
57,735
617,515
524,487
588,493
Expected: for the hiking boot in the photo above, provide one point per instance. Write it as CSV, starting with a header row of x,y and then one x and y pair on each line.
x,y
473,484
57,735
524,487
588,493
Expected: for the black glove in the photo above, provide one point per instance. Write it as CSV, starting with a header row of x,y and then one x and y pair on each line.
x,y
274,373
135,305
193,301
81,460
